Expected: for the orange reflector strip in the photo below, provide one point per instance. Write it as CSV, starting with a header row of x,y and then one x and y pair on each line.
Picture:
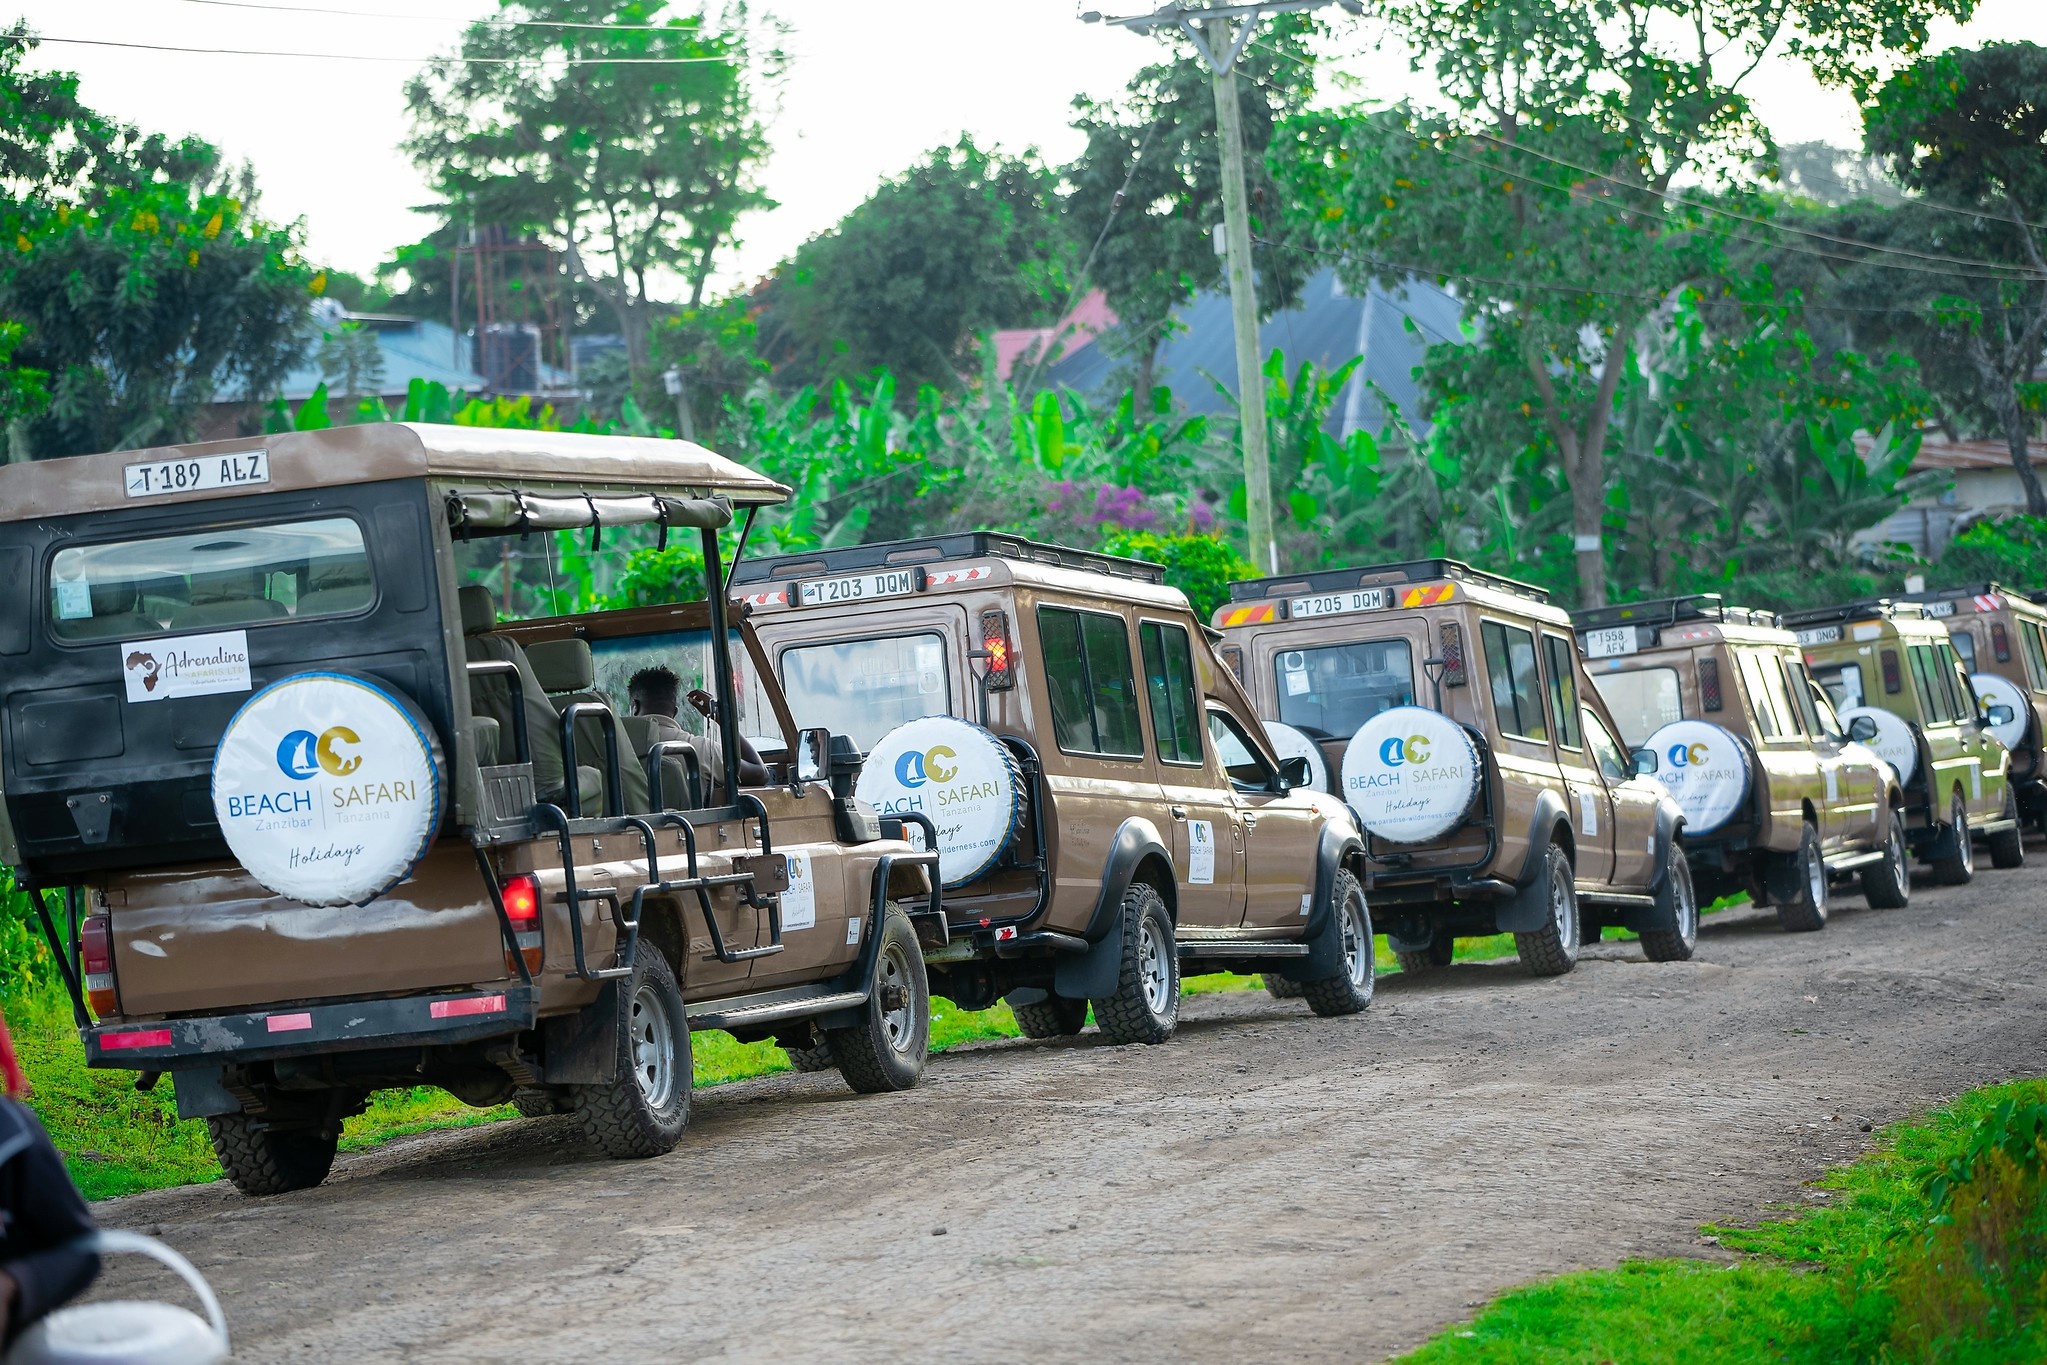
x,y
475,1004
1250,614
149,1037
1432,595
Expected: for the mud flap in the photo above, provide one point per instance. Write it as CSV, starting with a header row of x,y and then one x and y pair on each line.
x,y
1525,912
1325,930
1093,974
582,1048
201,1094
1027,995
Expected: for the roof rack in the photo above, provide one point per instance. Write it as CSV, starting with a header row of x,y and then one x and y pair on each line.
x,y
1961,590
933,549
1868,606
1368,575
1665,611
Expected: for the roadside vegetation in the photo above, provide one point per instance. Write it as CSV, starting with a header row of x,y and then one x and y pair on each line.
x,y
1932,1247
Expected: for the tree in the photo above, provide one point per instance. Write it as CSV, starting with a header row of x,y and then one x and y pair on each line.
x,y
963,241
1545,189
631,141
1149,183
1968,130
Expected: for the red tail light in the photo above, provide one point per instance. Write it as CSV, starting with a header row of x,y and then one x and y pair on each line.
x,y
1709,684
2000,641
1454,674
522,908
1001,674
96,952
1892,682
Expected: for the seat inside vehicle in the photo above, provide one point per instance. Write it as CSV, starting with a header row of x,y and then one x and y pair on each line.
x,y
682,782
228,597
491,697
335,587
568,672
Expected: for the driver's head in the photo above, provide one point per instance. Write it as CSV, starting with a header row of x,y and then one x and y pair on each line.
x,y
655,691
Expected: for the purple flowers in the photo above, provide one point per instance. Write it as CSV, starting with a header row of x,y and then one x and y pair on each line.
x,y
1103,505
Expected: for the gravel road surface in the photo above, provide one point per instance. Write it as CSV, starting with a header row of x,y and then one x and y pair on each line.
x,y
1268,1182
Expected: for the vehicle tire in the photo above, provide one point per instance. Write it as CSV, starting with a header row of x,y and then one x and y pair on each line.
x,y
1807,912
642,1113
816,1057
1279,988
262,1161
1959,866
887,1049
1552,949
1676,945
1351,992
1441,950
1053,1017
2008,846
1888,885
1146,1005
541,1102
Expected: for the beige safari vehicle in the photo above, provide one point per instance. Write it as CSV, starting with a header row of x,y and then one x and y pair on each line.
x,y
1780,797
1106,806
2001,638
1448,706
321,827
1891,662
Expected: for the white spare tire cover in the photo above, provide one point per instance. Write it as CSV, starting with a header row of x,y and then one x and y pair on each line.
x,y
1996,691
1705,768
1894,743
1288,742
961,777
1410,774
328,788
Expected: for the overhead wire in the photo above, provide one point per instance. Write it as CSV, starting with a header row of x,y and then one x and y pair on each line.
x,y
493,21
34,40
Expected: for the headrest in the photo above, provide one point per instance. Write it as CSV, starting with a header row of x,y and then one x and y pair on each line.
x,y
479,612
563,665
113,599
227,585
346,572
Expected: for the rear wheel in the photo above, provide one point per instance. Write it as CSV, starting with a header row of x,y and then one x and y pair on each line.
x,y
2008,846
1146,1005
261,1160
1888,885
1958,866
1351,992
1053,1017
1552,949
1681,899
643,1111
1442,948
1807,911
888,1048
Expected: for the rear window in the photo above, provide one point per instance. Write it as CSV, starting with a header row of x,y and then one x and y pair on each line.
x,y
866,688
1329,691
209,580
1843,683
1641,700
1965,645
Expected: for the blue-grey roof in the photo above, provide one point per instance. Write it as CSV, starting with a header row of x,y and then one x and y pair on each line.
x,y
1328,327
412,348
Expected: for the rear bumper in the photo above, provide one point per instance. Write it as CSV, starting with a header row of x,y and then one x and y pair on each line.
x,y
288,1031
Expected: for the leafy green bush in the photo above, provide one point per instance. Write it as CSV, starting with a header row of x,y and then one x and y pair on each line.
x,y
2012,552
1202,566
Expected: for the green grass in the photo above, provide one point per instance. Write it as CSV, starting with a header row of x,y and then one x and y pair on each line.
x,y
1863,1277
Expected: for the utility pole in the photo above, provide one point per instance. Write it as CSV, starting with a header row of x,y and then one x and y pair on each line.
x,y
1208,28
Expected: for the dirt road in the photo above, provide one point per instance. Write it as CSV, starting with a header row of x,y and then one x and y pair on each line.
x,y
1266,1183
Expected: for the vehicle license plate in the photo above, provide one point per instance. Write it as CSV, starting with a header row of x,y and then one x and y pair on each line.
x,y
823,592
1819,635
1337,603
198,474
1604,644
1939,608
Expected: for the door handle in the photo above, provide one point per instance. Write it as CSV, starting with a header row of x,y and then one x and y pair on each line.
x,y
1179,812
1250,822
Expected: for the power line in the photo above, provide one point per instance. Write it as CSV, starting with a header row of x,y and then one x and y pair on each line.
x,y
26,41
492,21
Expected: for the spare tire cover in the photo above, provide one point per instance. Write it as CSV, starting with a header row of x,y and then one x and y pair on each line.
x,y
328,788
1410,774
961,777
1894,742
1288,742
1706,768
1995,691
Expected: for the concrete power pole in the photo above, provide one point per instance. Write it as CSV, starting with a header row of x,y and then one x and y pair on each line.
x,y
1208,28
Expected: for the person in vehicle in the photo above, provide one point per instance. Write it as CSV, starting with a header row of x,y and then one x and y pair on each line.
x,y
42,1215
653,694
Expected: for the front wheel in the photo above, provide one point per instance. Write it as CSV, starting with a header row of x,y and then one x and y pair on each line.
x,y
1552,949
1888,885
1441,951
1351,992
261,1160
643,1110
1146,1005
1053,1017
2008,846
1279,988
1958,866
888,1048
1806,912
1677,943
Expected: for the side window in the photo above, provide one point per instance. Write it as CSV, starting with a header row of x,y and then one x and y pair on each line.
x,y
1094,698
1961,696
1770,668
1562,658
1769,723
1824,715
2036,654
1606,751
1932,699
1248,772
1169,686
1517,688
1801,697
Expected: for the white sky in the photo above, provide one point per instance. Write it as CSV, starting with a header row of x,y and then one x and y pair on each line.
x,y
872,85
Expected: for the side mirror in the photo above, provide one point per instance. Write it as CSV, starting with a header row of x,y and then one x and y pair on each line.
x,y
1645,762
1862,729
813,755
1294,772
2000,714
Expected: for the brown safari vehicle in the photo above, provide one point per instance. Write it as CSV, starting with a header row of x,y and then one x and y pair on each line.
x,y
1504,805
1780,797
2001,638
1107,807
1892,663
321,829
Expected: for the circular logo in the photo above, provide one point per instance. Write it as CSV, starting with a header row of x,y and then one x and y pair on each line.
x,y
1993,690
960,777
1288,742
328,788
1894,742
1410,774
1705,768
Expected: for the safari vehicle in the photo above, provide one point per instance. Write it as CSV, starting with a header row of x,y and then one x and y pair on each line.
x,y
2001,638
1107,808
320,829
1889,661
1780,797
1503,805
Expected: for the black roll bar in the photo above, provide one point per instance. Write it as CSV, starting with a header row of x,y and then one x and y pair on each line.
x,y
522,743
614,782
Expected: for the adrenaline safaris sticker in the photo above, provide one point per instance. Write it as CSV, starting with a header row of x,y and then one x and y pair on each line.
x,y
328,788
1410,773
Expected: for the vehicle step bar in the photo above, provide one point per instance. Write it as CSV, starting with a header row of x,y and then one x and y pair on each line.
x,y
1854,860
1617,899
722,1014
1993,826
1240,948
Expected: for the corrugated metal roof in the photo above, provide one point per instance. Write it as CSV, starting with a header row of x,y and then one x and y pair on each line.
x,y
412,348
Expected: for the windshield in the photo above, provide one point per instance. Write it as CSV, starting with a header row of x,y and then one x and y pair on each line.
x,y
688,654
209,580
1331,690
1641,700
866,688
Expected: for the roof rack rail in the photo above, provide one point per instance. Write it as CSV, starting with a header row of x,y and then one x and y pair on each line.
x,y
1665,611
934,549
1961,590
1867,606
1370,575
